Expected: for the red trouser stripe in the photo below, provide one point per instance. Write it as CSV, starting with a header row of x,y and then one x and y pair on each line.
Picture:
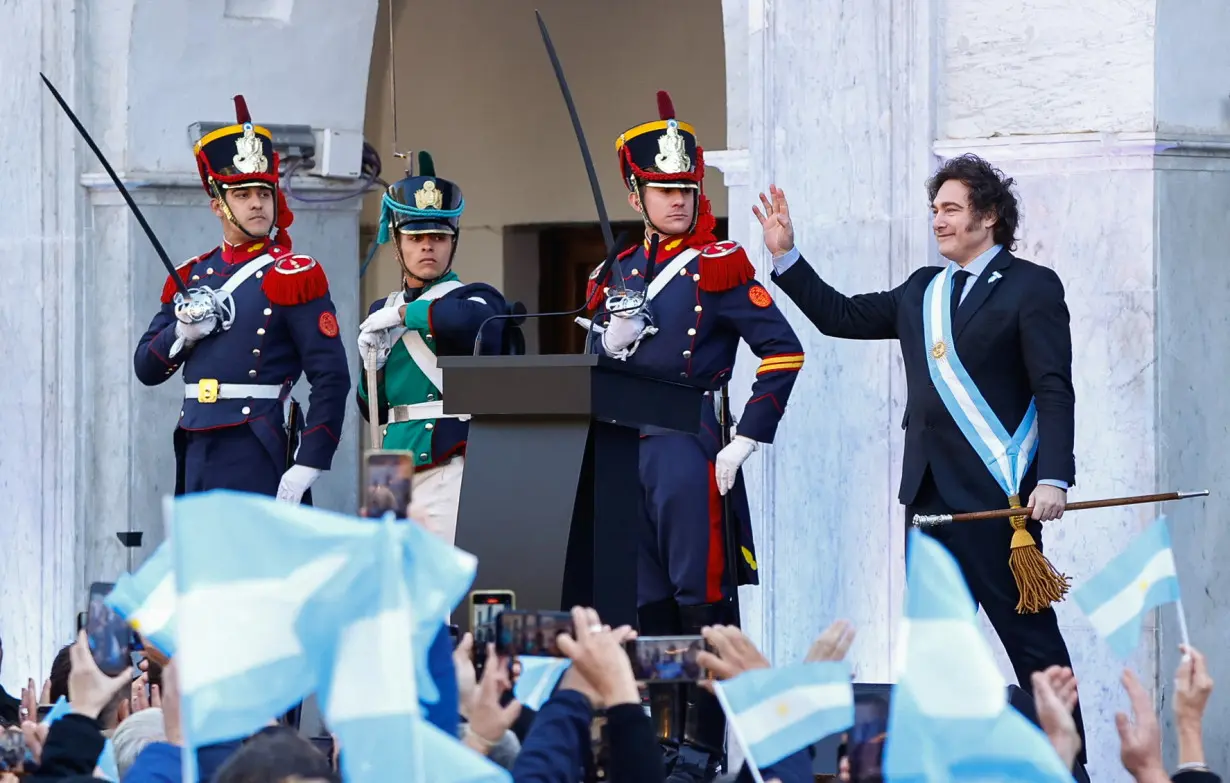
x,y
717,543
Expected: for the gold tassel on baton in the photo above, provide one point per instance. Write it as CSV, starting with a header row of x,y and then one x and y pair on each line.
x,y
1038,582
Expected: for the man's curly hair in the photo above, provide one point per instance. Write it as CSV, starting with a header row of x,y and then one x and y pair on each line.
x,y
990,193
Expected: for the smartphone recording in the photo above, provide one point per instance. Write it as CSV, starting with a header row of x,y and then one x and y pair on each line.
x,y
521,632
108,634
389,476
666,658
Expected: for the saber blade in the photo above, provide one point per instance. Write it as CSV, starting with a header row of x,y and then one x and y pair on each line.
x,y
136,211
603,220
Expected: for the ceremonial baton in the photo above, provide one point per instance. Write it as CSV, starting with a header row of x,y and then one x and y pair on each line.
x,y
935,520
603,220
136,211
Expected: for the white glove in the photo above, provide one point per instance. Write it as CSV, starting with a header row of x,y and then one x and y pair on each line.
x,y
374,347
726,466
621,333
193,333
295,481
384,318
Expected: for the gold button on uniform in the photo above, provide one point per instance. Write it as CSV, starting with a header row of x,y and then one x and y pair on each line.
x,y
696,276
683,273
268,311
245,410
209,271
698,308
634,271
691,333
687,354
260,330
429,426
259,275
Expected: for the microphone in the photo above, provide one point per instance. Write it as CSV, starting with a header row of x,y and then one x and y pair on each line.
x,y
602,274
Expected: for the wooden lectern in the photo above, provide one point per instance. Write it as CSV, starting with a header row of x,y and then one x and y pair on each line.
x,y
551,496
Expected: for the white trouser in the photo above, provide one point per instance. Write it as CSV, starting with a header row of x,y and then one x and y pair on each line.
x,y
434,497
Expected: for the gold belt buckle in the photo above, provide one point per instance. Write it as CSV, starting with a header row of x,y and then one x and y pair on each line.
x,y
207,390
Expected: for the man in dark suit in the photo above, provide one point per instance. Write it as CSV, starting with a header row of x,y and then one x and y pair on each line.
x,y
988,360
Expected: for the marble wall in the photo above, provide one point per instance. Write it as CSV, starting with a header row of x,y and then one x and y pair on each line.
x,y
87,449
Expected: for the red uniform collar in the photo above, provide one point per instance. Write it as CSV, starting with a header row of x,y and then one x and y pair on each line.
x,y
246,251
668,248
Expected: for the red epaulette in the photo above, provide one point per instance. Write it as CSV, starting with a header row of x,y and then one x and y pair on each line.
x,y
183,271
591,290
724,265
294,279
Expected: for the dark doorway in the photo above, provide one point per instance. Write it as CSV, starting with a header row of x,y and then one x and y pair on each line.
x,y
567,256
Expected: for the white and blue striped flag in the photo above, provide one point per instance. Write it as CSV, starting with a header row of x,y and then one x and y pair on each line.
x,y
146,599
244,566
777,712
949,718
360,629
1141,578
538,678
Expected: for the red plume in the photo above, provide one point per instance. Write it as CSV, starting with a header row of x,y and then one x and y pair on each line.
x,y
666,109
241,110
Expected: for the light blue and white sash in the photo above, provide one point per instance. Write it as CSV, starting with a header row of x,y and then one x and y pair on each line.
x,y
1006,457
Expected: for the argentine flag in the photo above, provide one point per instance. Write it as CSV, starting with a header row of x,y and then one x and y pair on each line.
x,y
362,629
146,600
1143,577
245,565
950,718
777,712
538,678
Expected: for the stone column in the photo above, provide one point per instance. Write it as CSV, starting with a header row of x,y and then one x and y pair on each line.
x,y
847,133
39,346
88,449
1191,233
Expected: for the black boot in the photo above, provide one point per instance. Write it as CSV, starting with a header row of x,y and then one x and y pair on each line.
x,y
660,618
704,736
666,701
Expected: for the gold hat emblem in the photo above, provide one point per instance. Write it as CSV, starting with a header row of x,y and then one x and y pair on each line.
x,y
939,349
429,196
672,157
249,155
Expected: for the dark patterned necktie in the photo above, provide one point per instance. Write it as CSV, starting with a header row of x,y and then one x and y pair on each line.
x,y
958,285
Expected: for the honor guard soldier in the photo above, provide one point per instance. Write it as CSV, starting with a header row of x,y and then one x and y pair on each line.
x,y
702,297
433,313
259,316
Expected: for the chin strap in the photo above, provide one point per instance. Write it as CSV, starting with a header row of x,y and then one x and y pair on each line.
x,y
220,195
637,188
401,261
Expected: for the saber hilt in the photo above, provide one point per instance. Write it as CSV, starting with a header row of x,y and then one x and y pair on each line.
x,y
936,520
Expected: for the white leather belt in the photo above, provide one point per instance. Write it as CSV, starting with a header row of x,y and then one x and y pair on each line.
x,y
399,414
208,390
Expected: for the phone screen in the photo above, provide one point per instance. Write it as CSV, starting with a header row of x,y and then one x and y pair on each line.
x,y
108,634
522,632
389,475
485,606
666,658
865,739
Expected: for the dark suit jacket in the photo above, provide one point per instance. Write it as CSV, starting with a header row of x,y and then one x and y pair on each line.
x,y
1014,339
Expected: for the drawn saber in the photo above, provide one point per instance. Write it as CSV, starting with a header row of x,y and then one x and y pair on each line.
x,y
603,220
136,211
935,520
